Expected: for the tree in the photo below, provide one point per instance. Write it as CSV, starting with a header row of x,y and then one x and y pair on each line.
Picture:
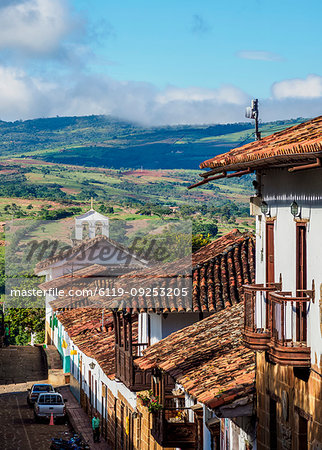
x,y
104,209
198,241
204,228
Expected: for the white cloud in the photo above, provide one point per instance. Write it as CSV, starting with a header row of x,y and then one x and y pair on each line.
x,y
225,94
34,26
310,87
23,97
259,55
273,109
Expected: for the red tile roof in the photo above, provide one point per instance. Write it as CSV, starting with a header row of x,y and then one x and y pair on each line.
x,y
218,272
207,358
84,327
299,144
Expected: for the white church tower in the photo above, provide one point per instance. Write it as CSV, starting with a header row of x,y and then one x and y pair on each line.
x,y
90,225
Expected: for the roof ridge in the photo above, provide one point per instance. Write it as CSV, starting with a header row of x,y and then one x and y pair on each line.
x,y
301,140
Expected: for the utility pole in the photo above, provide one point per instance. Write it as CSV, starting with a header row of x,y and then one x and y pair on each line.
x,y
252,113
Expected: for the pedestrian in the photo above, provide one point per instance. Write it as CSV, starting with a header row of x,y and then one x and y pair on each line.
x,y
6,335
96,428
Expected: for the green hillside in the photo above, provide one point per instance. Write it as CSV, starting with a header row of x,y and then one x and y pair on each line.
x,y
100,141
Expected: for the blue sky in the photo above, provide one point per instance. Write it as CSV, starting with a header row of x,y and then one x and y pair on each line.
x,y
168,62
208,43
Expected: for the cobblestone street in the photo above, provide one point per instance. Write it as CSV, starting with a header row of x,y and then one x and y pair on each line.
x,y
18,429
20,367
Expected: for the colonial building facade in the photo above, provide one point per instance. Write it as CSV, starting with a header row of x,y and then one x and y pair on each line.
x,y
100,347
283,308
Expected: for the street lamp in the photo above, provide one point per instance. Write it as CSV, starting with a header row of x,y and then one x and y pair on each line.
x,y
294,209
264,208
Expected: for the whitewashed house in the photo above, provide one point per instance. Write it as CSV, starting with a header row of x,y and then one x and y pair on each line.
x,y
182,362
91,255
283,321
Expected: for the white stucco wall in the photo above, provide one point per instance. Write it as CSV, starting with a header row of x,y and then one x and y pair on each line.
x,y
279,189
163,325
114,386
143,328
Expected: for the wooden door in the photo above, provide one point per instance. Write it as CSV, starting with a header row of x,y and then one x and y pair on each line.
x,y
95,395
301,277
270,254
272,424
303,433
90,386
104,410
270,265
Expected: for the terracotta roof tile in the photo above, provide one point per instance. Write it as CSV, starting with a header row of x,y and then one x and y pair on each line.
x,y
218,272
299,144
84,327
208,358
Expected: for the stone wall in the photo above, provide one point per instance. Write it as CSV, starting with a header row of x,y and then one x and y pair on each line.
x,y
126,428
147,440
297,395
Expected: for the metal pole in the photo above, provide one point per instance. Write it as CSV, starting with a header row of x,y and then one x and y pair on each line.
x,y
255,114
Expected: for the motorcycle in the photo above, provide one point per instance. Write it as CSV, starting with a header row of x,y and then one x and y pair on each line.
x,y
74,443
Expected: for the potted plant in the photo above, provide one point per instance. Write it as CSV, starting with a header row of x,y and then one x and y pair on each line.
x,y
154,404
150,400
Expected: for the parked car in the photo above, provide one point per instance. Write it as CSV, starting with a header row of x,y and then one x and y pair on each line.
x,y
37,389
51,403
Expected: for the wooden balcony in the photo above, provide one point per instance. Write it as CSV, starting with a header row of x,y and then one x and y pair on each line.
x,y
127,372
175,427
276,321
127,349
288,342
257,334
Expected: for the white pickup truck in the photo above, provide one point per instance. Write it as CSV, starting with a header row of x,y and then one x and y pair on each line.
x,y
50,403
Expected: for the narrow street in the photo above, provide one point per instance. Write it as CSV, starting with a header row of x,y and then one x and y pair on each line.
x,y
18,429
20,367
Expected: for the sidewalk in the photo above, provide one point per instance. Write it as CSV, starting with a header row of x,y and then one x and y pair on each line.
x,y
80,420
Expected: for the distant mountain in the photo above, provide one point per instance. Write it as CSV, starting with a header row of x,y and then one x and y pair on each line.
x,y
100,141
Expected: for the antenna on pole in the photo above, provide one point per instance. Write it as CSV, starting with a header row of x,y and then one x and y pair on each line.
x,y
252,113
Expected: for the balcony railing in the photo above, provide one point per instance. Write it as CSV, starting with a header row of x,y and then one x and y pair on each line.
x,y
256,320
276,321
126,371
175,427
288,342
